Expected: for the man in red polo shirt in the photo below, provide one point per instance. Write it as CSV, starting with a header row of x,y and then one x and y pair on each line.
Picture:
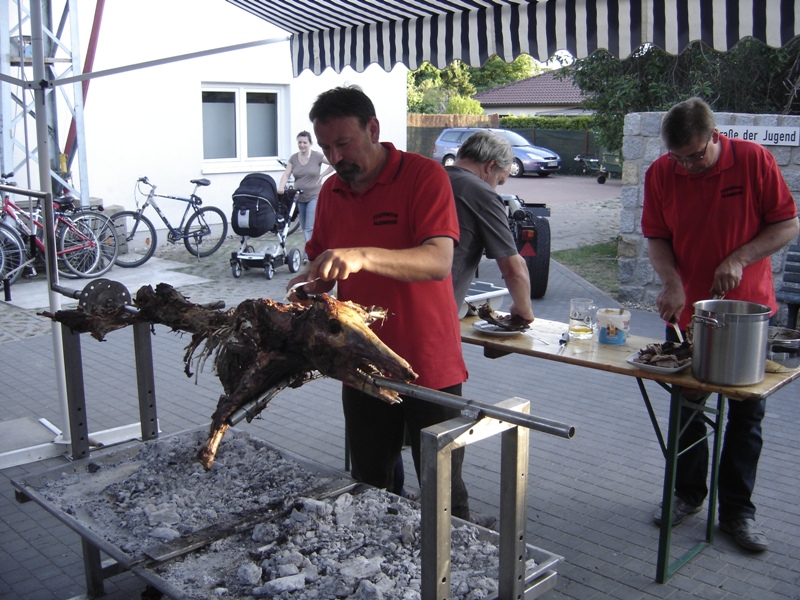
x,y
715,209
385,230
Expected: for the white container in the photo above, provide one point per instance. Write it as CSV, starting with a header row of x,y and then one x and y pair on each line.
x,y
613,325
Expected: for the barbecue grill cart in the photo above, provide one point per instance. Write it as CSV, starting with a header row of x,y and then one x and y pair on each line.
x,y
163,564
510,419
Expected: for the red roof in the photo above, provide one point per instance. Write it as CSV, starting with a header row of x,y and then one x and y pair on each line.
x,y
543,89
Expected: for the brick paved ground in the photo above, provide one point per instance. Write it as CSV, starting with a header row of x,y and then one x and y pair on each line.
x,y
590,499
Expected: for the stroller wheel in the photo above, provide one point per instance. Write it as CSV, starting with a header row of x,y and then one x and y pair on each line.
x,y
269,270
294,260
236,269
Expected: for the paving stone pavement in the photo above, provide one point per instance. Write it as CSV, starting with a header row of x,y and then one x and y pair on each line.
x,y
590,499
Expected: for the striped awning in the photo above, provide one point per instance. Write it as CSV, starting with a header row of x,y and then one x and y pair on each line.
x,y
357,33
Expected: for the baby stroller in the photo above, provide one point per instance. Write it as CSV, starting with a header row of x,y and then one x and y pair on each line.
x,y
258,209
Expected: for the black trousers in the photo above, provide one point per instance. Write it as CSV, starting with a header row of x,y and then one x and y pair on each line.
x,y
375,432
738,463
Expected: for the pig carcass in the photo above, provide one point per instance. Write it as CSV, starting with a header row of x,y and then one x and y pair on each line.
x,y
260,345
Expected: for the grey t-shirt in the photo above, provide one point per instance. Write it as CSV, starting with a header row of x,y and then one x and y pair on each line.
x,y
483,221
306,177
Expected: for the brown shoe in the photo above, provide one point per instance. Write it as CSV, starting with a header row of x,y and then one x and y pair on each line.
x,y
746,533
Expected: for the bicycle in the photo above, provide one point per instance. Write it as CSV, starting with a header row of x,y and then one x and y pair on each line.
x,y
22,235
100,224
203,230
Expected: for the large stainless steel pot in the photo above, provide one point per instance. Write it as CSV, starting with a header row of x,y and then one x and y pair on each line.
x,y
784,347
730,341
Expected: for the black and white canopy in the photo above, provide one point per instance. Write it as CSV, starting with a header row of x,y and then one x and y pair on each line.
x,y
357,33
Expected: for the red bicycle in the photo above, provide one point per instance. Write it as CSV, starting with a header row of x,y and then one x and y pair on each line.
x,y
79,251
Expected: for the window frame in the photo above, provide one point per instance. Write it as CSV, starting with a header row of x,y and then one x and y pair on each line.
x,y
241,162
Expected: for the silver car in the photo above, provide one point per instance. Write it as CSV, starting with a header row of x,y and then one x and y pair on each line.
x,y
527,157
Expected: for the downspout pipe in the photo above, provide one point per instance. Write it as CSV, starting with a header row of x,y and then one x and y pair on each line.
x,y
45,183
70,147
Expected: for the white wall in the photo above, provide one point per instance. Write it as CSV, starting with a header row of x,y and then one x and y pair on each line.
x,y
149,122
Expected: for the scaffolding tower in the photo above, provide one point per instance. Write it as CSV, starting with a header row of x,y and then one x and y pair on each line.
x,y
62,95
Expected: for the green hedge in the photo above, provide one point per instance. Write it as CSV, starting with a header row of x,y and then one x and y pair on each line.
x,y
584,123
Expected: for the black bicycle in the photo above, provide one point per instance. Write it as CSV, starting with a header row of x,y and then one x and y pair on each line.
x,y
203,229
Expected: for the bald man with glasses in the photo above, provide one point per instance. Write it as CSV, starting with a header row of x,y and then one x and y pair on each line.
x,y
715,209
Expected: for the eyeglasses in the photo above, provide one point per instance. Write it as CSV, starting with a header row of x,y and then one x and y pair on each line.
x,y
690,158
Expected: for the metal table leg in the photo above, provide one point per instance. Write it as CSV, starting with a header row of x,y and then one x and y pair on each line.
x,y
671,450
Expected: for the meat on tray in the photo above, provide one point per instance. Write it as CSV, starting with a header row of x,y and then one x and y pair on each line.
x,y
669,355
507,322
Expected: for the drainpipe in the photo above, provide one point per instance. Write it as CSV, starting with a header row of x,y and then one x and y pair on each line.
x,y
40,85
70,147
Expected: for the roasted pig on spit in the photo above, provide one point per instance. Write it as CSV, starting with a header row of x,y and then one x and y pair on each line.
x,y
260,345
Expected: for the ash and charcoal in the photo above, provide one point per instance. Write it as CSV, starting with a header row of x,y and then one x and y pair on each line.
x,y
160,492
358,547
288,544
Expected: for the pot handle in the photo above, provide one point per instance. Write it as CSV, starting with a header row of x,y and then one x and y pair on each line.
x,y
707,321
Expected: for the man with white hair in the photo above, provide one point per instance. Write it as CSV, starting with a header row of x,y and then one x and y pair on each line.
x,y
483,162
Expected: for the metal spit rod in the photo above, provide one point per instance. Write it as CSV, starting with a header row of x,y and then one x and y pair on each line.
x,y
488,410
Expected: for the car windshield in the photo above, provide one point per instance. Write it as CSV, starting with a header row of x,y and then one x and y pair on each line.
x,y
514,139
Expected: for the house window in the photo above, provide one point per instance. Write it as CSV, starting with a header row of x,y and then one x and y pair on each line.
x,y
240,123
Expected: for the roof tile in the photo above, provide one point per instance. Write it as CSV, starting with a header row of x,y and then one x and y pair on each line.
x,y
543,89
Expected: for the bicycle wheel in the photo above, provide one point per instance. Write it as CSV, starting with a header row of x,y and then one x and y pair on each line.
x,y
77,247
105,232
205,231
15,253
136,236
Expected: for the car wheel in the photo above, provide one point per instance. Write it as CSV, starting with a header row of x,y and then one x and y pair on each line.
x,y
449,160
516,168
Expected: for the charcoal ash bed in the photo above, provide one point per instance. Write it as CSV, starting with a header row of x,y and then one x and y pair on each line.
x,y
260,523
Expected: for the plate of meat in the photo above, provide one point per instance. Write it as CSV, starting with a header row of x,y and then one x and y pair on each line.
x,y
499,324
492,329
667,358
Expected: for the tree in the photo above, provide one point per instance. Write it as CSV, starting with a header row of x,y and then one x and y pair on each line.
x,y
456,78
430,90
424,91
496,72
433,91
460,105
750,77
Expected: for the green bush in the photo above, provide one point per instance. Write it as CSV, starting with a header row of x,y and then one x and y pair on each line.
x,y
459,105
582,123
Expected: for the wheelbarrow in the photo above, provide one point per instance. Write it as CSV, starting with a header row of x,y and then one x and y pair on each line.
x,y
608,163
